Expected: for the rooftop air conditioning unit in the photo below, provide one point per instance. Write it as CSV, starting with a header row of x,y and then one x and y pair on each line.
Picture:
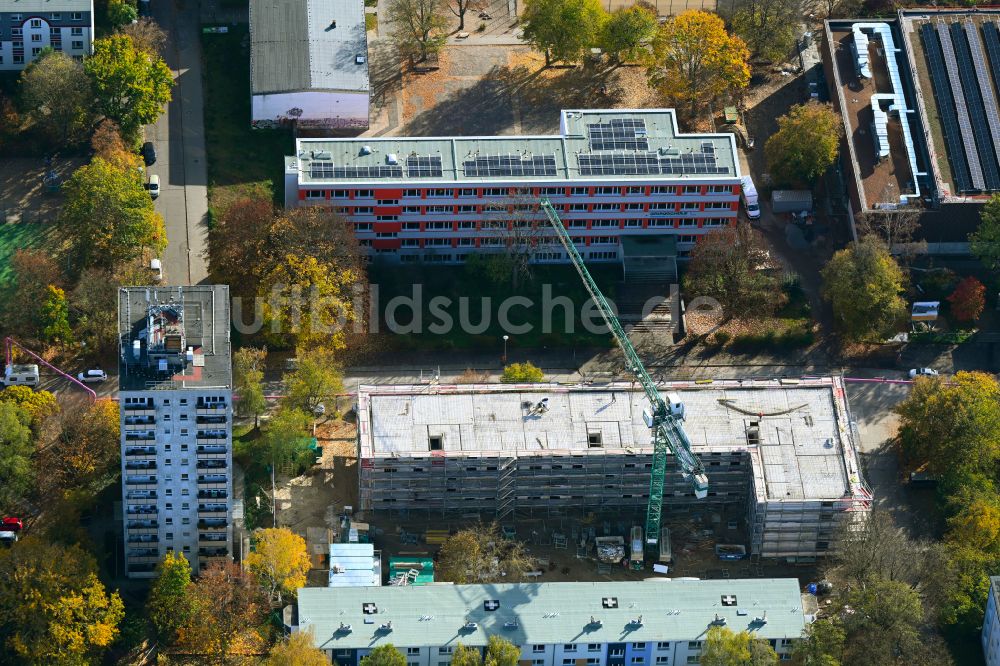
x,y
391,159
359,60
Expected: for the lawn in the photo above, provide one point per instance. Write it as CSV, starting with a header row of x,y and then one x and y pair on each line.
x,y
241,160
18,236
483,301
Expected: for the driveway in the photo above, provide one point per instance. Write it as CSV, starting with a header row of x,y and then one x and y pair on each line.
x,y
179,136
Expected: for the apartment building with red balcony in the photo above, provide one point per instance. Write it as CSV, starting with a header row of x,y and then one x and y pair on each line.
x,y
622,180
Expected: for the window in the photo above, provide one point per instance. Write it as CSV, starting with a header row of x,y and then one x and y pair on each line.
x,y
494,192
466,209
693,659
184,461
15,17
76,32
579,191
694,645
185,521
36,23
170,536
720,189
411,226
467,193
440,193
607,207
537,662
691,189
169,492
15,32
663,646
76,16
36,37
410,242
315,194
36,50
718,205
363,226
690,222
413,663
185,506
690,206
569,662
340,194
184,477
537,648
466,225
662,660
445,650
387,202
364,210
593,647
18,59
593,661
168,461
363,194
412,651
638,646
616,652
638,660
411,193
606,191
184,417
184,431
569,647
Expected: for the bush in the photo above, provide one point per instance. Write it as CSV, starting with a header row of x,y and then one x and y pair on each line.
x,y
721,338
771,341
522,373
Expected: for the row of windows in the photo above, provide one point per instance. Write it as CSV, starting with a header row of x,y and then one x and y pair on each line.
x,y
489,242
54,16
541,256
18,58
602,191
659,223
53,32
209,401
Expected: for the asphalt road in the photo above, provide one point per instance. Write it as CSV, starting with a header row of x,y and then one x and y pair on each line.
x,y
179,137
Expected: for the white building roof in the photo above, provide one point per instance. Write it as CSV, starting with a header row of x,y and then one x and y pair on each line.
x,y
354,565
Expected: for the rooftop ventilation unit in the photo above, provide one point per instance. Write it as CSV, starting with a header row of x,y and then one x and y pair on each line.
x,y
365,150
322,155
391,159
359,60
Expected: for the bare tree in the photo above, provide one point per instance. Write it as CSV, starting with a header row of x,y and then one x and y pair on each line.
x,y
146,34
459,7
892,227
518,225
480,554
418,26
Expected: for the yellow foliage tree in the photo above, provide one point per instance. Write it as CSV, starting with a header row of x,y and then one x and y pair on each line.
x,y
805,145
39,405
694,60
88,451
298,650
308,302
864,285
977,524
279,561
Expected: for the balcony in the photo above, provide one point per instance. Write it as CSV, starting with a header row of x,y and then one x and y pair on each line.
x,y
142,567
140,436
141,509
143,538
140,495
213,552
145,524
212,464
139,451
143,554
213,511
219,419
211,408
139,422
140,408
212,539
140,464
144,480
211,437
212,451
212,481
212,523
212,494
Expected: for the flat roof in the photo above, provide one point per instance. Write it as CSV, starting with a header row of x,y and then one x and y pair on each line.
x,y
805,450
593,145
198,315
548,613
46,6
354,565
298,45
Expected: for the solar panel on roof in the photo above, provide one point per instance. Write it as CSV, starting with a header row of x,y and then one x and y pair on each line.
x,y
509,165
961,108
621,164
946,108
321,170
324,169
975,105
424,166
618,134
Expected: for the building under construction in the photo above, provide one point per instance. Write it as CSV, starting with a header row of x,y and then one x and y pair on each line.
x,y
782,449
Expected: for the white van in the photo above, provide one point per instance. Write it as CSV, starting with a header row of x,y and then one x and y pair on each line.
x,y
748,193
20,375
154,186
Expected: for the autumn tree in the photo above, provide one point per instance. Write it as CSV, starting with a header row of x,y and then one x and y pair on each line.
x,y
767,26
864,285
297,650
169,604
724,647
87,457
694,61
248,378
885,624
480,554
54,317
58,96
984,242
280,562
731,265
33,272
121,13
892,227
384,655
131,85
94,305
38,405
822,645
237,244
53,607
522,373
501,652
952,427
463,655
316,378
228,612
562,29
806,144
146,34
16,448
108,216
107,142
627,33
968,300
418,26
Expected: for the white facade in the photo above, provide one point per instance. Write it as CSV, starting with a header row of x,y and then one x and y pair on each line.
x,y
67,27
991,626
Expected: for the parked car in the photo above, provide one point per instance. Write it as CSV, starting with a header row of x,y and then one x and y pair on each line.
x,y
156,267
923,372
94,376
922,480
11,524
8,538
148,153
154,186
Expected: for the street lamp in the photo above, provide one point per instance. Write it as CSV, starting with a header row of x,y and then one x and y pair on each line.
x,y
505,339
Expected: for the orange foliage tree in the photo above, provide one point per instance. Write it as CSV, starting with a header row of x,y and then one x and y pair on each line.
x,y
968,299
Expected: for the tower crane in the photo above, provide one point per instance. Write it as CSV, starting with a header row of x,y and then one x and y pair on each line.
x,y
663,420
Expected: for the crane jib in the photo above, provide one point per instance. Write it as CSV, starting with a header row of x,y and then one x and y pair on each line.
x,y
667,433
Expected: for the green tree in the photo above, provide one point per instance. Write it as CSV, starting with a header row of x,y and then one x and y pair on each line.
x,y
724,647
464,655
55,317
297,650
38,405
479,555
864,285
316,378
805,145
984,242
384,655
121,13
419,27
279,560
108,216
822,645
34,271
952,427
16,448
58,97
562,29
169,604
53,607
694,61
501,652
88,456
131,85
627,32
730,266
248,371
286,437
522,373
767,26
885,624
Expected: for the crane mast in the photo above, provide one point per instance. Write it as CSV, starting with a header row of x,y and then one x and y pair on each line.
x,y
667,434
